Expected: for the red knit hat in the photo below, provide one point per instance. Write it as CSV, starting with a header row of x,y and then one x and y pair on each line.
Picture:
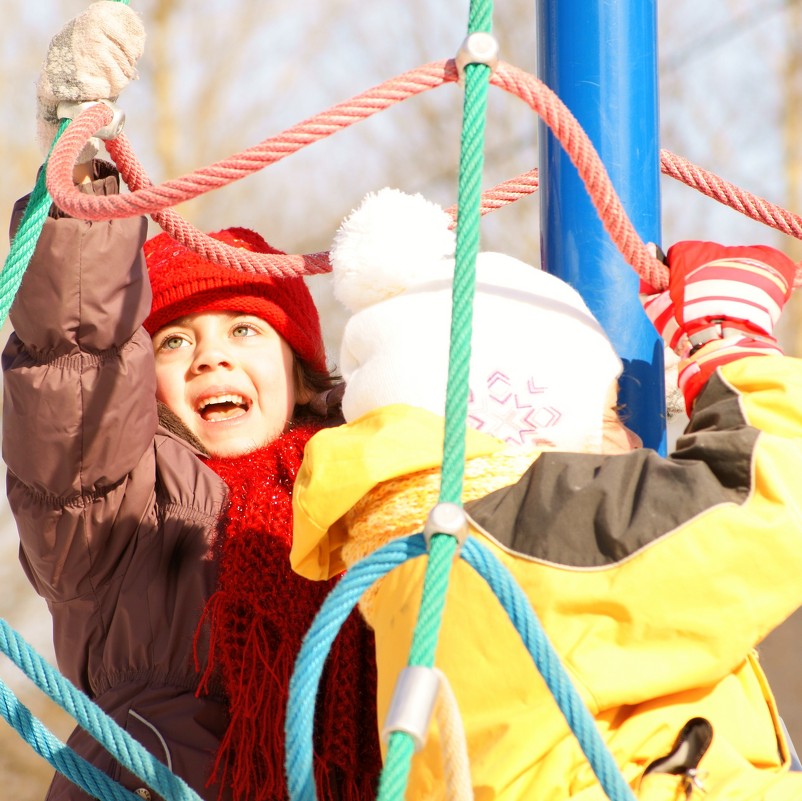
x,y
185,283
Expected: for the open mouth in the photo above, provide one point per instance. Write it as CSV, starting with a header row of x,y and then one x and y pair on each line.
x,y
217,408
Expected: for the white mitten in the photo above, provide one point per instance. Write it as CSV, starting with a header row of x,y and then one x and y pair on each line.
x,y
93,57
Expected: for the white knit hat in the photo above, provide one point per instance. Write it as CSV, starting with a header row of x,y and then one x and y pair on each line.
x,y
541,367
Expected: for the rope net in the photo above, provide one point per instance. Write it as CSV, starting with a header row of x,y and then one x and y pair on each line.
x,y
158,201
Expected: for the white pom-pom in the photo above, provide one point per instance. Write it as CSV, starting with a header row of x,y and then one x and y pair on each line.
x,y
390,243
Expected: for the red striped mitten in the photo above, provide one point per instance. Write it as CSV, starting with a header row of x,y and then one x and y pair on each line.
x,y
726,300
659,308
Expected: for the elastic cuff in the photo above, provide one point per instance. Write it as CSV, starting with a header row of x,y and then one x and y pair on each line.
x,y
105,181
695,371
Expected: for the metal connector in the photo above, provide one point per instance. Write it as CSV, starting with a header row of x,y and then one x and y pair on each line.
x,y
413,703
447,518
68,110
478,48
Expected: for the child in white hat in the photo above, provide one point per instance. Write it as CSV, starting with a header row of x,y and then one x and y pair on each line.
x,y
654,578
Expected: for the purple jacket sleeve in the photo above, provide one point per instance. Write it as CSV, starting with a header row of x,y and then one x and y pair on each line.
x,y
79,383
79,414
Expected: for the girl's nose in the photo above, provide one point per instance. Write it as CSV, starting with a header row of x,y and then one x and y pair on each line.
x,y
210,356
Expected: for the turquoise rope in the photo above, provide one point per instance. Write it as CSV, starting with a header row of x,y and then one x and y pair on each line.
x,y
548,663
26,237
124,748
299,723
341,601
63,759
400,745
469,201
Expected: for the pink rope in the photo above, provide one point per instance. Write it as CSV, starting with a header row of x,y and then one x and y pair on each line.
x,y
153,199
752,206
145,198
757,208
177,190
504,193
583,155
176,226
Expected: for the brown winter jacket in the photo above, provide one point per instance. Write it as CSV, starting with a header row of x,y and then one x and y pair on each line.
x,y
115,513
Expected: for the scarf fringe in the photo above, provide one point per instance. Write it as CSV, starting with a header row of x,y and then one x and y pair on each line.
x,y
250,759
356,785
250,633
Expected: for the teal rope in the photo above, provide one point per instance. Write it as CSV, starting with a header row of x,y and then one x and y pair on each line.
x,y
469,200
470,197
24,242
395,773
480,18
63,759
124,748
548,663
341,601
400,746
299,722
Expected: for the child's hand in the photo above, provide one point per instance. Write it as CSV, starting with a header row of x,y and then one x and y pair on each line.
x,y
726,302
93,57
714,287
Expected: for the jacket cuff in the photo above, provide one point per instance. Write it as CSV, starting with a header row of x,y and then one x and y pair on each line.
x,y
105,181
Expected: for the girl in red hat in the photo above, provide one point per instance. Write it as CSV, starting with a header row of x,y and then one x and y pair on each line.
x,y
156,411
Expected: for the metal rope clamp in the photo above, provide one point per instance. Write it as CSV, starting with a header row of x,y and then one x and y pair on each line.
x,y
413,704
719,330
478,48
68,110
447,518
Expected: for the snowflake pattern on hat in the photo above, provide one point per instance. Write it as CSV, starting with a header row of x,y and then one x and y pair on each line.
x,y
514,417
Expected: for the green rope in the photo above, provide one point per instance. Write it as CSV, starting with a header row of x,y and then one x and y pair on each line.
x,y
470,195
400,747
469,199
26,237
30,227
395,773
480,17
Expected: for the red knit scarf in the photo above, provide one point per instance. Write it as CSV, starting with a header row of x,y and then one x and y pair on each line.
x,y
257,619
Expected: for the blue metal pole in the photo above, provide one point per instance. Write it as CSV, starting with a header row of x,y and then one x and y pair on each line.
x,y
600,57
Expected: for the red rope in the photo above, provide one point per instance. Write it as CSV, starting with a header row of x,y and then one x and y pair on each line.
x,y
145,198
757,208
169,193
212,249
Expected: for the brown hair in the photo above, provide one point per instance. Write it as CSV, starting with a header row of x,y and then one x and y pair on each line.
x,y
325,388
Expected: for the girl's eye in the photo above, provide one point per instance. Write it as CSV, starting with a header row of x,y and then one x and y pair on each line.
x,y
243,330
173,343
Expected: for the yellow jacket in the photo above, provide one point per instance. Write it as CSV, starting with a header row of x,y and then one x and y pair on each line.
x,y
654,578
